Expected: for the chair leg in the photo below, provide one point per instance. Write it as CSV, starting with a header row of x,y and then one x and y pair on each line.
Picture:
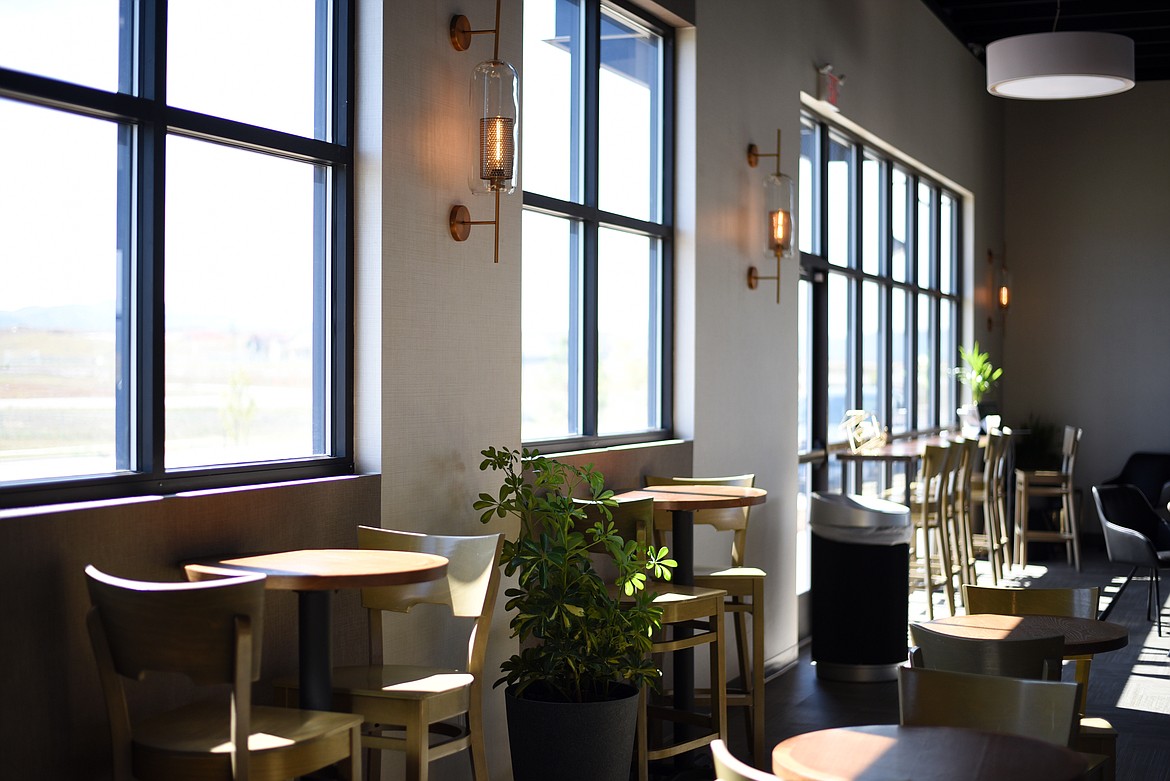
x,y
477,749
417,739
1155,577
640,741
761,756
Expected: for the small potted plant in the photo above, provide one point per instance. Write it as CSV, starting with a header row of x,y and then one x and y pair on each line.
x,y
979,375
584,644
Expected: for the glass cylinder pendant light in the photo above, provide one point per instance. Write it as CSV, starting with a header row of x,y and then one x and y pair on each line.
x,y
494,123
779,195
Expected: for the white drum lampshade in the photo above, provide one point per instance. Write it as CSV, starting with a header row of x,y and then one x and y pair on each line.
x,y
1060,65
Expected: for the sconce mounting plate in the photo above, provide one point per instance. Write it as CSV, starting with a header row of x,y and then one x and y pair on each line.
x,y
753,155
460,222
753,278
460,32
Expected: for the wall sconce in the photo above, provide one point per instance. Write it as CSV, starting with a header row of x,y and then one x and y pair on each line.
x,y
1003,294
779,198
493,123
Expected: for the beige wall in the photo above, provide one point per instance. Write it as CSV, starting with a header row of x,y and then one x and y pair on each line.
x,y
1089,330
438,340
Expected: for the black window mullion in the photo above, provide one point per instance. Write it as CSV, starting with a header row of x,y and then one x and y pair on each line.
x,y
591,152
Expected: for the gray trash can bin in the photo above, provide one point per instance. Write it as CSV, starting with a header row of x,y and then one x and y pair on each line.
x,y
858,602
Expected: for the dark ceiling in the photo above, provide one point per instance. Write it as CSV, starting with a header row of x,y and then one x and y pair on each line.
x,y
977,23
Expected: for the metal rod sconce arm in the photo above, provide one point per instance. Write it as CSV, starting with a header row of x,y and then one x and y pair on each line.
x,y
461,223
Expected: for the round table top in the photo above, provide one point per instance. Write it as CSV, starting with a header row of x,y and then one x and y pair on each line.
x,y
320,569
697,497
1081,635
888,751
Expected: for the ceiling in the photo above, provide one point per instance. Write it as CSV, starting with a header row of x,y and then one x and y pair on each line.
x,y
977,23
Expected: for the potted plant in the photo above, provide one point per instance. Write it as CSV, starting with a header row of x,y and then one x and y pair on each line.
x,y
979,375
584,646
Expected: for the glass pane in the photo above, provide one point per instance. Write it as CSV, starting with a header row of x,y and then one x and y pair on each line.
x,y
949,351
240,327
59,263
901,367
804,366
70,40
840,201
628,326
947,245
899,225
840,355
551,118
253,61
926,368
808,226
872,344
550,311
872,225
630,110
925,236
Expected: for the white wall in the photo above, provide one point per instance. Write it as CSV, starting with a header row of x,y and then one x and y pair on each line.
x,y
1088,333
447,336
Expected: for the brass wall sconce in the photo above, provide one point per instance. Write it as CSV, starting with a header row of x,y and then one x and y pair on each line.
x,y
779,197
1004,292
494,120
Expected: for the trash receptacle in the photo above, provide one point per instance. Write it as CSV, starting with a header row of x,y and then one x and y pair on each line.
x,y
858,600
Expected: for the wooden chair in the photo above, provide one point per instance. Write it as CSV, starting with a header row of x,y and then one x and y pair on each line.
x,y
728,768
1095,735
212,633
1044,710
745,601
931,563
988,491
957,506
1032,483
698,612
411,708
1035,658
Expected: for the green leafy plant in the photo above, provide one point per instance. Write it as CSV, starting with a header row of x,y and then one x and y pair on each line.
x,y
577,635
977,373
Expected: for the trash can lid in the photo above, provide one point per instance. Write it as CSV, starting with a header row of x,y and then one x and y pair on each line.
x,y
856,511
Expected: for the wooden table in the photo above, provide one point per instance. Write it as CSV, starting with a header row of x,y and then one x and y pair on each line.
x,y
890,752
683,501
1081,635
897,451
314,574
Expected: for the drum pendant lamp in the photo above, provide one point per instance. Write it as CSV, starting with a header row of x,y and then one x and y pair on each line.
x,y
1060,65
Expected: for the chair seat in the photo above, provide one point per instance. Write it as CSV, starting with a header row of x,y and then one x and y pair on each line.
x,y
282,741
399,681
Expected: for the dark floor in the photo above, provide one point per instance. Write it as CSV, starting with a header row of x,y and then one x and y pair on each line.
x,y
1130,687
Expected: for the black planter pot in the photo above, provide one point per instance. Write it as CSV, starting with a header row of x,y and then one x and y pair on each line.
x,y
572,741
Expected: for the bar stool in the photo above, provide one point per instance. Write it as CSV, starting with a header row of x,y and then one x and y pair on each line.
x,y
933,566
1043,483
745,601
694,608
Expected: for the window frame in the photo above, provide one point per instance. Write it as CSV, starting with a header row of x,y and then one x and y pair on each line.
x,y
591,219
145,120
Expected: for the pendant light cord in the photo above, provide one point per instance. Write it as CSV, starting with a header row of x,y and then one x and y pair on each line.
x,y
1054,21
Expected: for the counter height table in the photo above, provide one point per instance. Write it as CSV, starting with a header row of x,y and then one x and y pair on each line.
x,y
314,574
1081,635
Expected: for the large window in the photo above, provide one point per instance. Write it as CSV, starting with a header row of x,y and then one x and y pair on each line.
x,y
597,224
880,303
175,296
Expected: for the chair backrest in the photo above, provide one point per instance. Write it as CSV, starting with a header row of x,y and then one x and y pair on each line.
x,y
1129,524
728,768
932,473
1068,449
730,519
1035,658
1076,602
632,518
1046,710
469,589
210,631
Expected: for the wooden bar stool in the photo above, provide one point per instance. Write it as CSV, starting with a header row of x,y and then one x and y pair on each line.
x,y
1044,483
745,601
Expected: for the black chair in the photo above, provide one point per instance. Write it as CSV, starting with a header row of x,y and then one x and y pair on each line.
x,y
1150,472
1134,534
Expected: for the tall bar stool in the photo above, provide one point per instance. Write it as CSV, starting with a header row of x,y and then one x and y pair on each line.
x,y
745,601
931,564
686,607
1043,483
